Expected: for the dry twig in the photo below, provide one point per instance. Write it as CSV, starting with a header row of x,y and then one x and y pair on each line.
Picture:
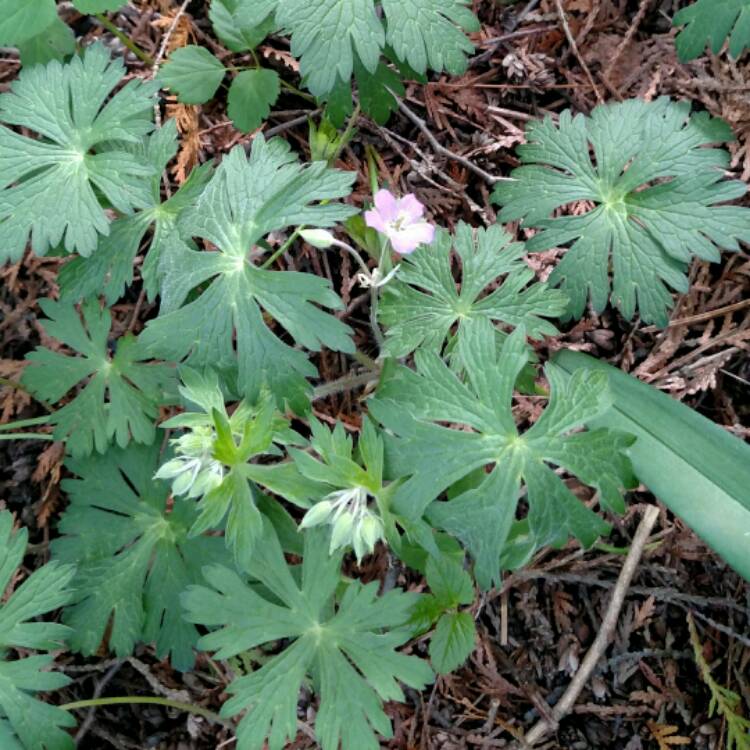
x,y
563,707
574,47
437,146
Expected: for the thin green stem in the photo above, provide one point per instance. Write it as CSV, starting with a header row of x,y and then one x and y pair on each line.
x,y
294,90
24,423
125,39
372,167
365,360
376,332
614,550
349,249
347,134
26,436
283,248
152,700
347,383
384,265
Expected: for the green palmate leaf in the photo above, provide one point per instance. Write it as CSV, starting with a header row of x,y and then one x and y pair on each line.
x,y
242,24
53,43
122,394
712,21
449,582
429,33
421,308
455,635
193,73
377,89
110,270
452,641
49,185
223,324
20,20
654,192
348,647
25,722
697,469
435,456
251,96
327,35
133,554
332,36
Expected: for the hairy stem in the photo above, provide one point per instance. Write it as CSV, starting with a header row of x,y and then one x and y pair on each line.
x,y
365,360
125,39
23,423
292,237
347,383
25,436
152,700
347,134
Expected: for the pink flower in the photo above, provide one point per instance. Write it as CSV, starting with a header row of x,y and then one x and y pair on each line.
x,y
401,221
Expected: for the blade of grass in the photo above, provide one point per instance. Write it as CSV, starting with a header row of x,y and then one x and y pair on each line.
x,y
698,470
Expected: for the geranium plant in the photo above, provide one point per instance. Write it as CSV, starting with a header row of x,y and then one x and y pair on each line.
x,y
210,507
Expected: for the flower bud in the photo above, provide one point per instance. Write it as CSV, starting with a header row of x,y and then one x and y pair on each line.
x,y
371,529
317,515
183,482
360,548
342,531
171,469
320,238
206,480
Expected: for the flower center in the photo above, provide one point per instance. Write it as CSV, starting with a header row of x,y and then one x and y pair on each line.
x,y
401,222
353,500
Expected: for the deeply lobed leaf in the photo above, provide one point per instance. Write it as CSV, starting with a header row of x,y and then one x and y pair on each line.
x,y
110,270
122,393
349,646
653,197
421,308
712,22
23,718
133,553
333,38
49,184
434,457
224,323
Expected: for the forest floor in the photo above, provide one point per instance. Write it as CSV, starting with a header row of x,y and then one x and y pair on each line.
x,y
451,136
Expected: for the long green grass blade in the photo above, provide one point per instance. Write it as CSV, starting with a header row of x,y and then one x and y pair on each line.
x,y
697,469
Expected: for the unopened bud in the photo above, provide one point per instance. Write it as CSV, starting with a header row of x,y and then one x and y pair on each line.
x,y
320,238
317,514
342,531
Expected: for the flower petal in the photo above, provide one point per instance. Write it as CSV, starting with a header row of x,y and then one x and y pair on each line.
x,y
411,237
411,207
387,205
374,220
